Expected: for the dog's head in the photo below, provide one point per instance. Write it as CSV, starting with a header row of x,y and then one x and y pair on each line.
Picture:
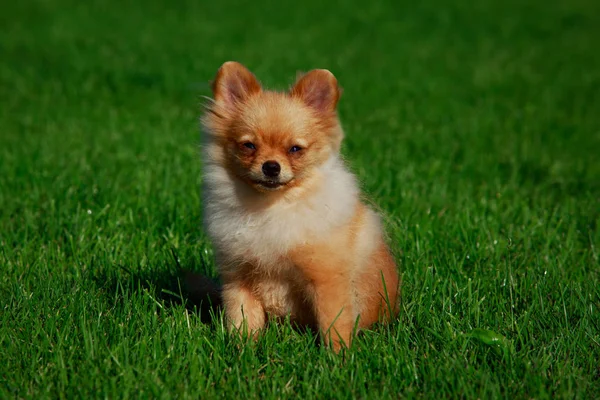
x,y
272,140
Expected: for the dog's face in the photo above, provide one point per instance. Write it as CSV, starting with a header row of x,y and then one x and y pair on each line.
x,y
273,141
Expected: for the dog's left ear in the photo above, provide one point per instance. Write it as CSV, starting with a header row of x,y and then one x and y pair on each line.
x,y
318,89
234,84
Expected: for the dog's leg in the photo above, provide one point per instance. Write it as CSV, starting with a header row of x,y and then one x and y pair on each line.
x,y
333,305
243,311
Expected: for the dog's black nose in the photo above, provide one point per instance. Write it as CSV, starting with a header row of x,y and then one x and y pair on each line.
x,y
271,169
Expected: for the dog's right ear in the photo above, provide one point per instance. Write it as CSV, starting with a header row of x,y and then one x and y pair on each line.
x,y
234,84
318,89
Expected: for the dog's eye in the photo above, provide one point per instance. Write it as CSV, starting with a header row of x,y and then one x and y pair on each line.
x,y
295,149
250,145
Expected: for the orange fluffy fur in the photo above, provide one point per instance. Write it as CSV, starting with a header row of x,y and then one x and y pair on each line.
x,y
295,240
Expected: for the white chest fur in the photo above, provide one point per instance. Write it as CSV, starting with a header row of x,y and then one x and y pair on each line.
x,y
242,232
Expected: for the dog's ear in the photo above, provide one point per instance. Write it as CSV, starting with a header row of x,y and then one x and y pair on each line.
x,y
234,84
318,89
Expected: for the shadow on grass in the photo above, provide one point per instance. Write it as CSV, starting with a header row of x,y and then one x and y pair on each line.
x,y
173,285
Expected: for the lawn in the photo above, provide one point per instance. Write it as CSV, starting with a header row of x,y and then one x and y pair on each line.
x,y
474,127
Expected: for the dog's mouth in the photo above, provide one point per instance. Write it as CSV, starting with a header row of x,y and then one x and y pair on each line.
x,y
269,185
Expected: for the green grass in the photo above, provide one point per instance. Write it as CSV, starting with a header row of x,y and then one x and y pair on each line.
x,y
475,126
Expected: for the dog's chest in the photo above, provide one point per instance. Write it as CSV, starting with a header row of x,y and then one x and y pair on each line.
x,y
277,296
268,236
284,294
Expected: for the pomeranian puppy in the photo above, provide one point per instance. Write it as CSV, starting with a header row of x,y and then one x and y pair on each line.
x,y
291,235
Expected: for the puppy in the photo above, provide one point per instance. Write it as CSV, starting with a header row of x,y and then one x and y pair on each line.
x,y
290,232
